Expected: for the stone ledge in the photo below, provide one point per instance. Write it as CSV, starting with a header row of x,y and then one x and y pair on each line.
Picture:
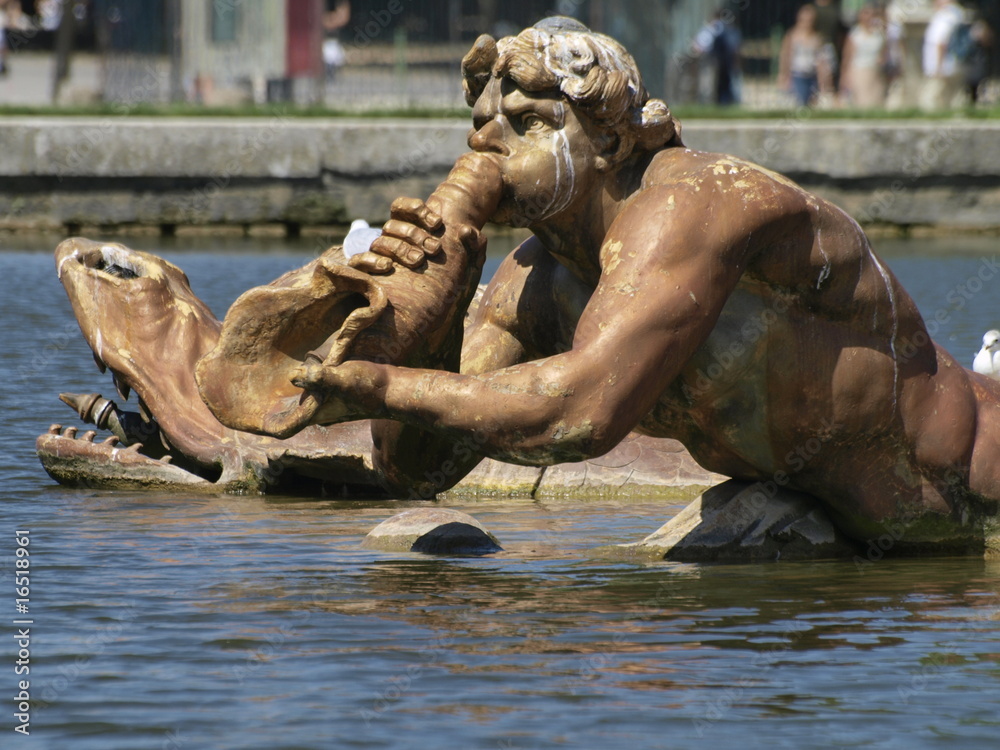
x,y
110,171
639,468
282,148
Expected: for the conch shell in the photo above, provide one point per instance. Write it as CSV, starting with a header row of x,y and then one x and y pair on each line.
x,y
331,312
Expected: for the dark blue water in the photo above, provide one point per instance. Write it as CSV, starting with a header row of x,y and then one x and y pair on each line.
x,y
169,621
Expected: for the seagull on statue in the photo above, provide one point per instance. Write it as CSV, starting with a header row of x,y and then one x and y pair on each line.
x,y
987,362
360,237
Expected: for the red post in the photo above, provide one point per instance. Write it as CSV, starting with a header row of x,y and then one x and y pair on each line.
x,y
304,52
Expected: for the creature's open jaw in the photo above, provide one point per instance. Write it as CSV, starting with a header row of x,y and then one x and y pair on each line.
x,y
78,459
139,432
135,453
144,324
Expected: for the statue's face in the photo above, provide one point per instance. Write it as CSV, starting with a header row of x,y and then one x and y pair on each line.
x,y
545,148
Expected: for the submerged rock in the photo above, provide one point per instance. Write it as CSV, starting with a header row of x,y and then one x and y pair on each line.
x,y
736,521
433,531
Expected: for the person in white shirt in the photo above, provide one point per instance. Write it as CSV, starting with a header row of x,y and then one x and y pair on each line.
x,y
942,73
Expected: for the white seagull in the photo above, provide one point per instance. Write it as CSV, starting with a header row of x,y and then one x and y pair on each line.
x,y
360,237
987,362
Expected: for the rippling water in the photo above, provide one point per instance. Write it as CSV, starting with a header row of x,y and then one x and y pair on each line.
x,y
169,621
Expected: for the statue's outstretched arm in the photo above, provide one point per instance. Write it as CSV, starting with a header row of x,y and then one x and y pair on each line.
x,y
415,462
659,296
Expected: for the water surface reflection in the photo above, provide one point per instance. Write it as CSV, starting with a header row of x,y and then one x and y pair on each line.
x,y
163,620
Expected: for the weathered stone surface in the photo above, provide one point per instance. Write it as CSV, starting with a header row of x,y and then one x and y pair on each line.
x,y
736,521
433,531
639,467
855,149
228,148
496,479
287,147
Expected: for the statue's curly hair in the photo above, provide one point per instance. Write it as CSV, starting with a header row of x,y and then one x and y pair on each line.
x,y
592,70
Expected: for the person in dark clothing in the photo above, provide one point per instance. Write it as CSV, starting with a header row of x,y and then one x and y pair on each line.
x,y
977,64
719,42
834,33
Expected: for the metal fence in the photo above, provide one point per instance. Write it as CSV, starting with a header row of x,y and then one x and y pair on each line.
x,y
399,54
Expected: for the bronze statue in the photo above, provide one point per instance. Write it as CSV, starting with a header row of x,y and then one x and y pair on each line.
x,y
664,290
688,295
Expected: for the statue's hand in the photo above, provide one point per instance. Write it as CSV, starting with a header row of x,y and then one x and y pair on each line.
x,y
413,233
357,382
407,238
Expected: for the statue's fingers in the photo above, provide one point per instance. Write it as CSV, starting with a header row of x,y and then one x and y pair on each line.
x,y
415,211
398,250
471,238
370,262
307,376
412,234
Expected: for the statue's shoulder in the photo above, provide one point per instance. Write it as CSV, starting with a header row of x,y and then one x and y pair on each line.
x,y
712,176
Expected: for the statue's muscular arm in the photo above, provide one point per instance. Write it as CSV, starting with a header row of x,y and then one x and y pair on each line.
x,y
529,310
666,274
414,460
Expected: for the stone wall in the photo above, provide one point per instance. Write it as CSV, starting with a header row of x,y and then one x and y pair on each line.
x,y
64,172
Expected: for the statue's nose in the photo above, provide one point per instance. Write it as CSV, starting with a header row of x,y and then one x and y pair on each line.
x,y
489,139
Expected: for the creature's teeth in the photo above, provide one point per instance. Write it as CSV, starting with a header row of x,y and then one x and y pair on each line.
x,y
134,448
70,432
163,439
144,410
55,429
89,436
122,387
167,458
111,440
100,363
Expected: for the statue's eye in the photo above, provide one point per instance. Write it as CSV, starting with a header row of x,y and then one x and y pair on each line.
x,y
532,123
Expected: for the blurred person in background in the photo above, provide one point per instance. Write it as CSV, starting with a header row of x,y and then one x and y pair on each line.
x,y
831,28
977,66
895,55
336,17
863,81
3,37
718,43
49,14
943,76
803,67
